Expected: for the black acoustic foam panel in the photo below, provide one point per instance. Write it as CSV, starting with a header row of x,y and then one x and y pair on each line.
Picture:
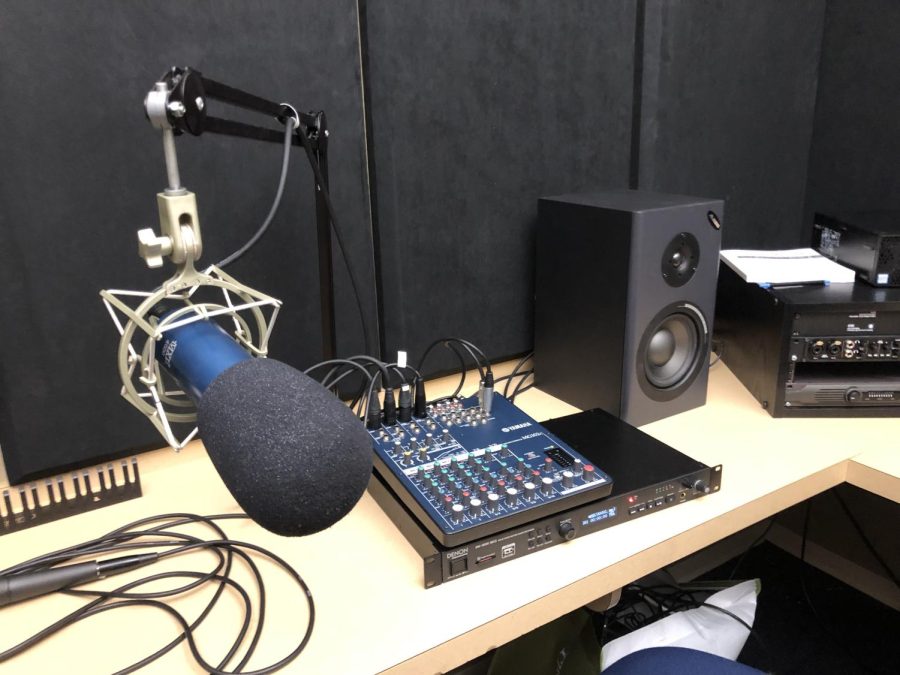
x,y
476,111
856,138
81,167
727,107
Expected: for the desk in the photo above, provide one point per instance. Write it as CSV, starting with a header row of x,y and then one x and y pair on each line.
x,y
373,613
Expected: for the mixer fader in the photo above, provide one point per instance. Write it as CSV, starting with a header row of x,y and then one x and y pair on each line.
x,y
464,473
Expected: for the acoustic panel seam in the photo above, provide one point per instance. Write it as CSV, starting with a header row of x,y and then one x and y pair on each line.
x,y
807,210
634,164
369,164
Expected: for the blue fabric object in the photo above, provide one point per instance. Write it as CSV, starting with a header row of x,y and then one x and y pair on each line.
x,y
663,660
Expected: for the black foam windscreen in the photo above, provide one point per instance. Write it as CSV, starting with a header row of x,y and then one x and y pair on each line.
x,y
294,457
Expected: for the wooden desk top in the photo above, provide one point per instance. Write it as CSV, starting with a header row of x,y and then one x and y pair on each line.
x,y
373,613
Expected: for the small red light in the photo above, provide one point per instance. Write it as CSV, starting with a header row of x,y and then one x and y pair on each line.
x,y
632,499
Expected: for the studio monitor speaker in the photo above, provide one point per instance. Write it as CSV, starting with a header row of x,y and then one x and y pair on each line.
x,y
625,292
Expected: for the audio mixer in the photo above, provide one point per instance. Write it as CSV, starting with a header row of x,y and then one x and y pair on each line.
x,y
649,476
465,473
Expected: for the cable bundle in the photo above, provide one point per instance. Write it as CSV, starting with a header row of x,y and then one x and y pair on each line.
x,y
161,535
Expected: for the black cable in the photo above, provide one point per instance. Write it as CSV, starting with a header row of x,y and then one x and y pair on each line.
x,y
731,614
481,364
520,387
290,123
462,373
514,373
822,625
174,543
339,364
323,190
864,538
718,348
756,541
406,367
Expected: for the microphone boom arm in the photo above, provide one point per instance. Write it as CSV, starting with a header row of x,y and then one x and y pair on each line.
x,y
178,104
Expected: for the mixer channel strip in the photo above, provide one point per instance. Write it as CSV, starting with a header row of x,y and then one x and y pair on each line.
x,y
466,474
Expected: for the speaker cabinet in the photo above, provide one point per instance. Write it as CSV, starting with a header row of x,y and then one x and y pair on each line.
x,y
625,295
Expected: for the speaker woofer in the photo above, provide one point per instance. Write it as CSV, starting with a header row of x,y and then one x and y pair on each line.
x,y
671,351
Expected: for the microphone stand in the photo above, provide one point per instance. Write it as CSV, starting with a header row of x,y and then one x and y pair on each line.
x,y
177,104
185,109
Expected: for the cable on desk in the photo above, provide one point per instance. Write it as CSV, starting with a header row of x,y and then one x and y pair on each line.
x,y
521,386
172,543
482,363
514,373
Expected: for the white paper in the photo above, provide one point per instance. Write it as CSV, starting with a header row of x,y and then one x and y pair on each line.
x,y
793,266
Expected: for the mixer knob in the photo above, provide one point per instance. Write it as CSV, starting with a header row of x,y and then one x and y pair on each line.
x,y
414,444
588,473
548,465
511,494
577,467
429,439
423,454
407,458
529,490
518,480
445,437
456,513
698,485
520,465
547,486
475,507
567,479
447,503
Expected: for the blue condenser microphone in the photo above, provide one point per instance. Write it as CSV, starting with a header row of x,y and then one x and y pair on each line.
x,y
196,353
295,458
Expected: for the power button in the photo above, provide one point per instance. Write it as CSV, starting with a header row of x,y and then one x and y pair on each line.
x,y
853,395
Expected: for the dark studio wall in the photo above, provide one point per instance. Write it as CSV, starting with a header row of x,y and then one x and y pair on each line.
x,y
448,120
855,154
477,109
729,91
80,169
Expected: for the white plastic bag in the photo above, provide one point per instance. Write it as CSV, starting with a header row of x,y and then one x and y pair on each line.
x,y
703,628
